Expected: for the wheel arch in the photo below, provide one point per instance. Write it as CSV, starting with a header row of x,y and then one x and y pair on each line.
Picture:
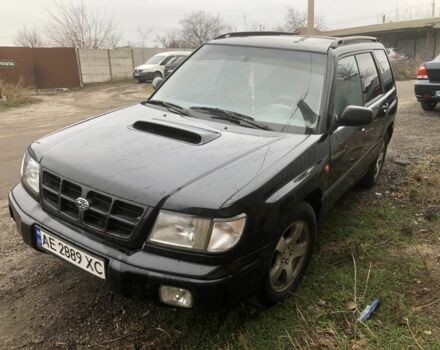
x,y
314,198
389,132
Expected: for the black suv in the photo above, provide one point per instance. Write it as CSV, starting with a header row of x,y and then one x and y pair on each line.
x,y
210,191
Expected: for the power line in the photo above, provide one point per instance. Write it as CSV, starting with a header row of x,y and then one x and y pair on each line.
x,y
388,12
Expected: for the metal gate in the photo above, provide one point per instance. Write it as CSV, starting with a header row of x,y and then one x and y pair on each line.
x,y
41,68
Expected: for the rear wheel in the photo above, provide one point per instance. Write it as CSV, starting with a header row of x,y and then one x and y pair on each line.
x,y
428,105
371,177
290,257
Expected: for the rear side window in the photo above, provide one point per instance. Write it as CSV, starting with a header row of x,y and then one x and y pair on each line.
x,y
166,60
369,76
385,69
347,86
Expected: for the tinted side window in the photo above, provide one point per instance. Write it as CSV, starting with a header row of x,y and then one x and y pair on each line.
x,y
385,69
179,60
166,60
347,86
369,76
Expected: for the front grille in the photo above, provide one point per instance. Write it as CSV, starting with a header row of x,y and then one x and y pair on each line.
x,y
107,215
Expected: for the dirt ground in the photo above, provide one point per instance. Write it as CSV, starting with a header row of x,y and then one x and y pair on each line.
x,y
46,303
20,126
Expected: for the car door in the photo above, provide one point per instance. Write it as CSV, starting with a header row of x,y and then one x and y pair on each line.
x,y
375,99
390,101
346,142
164,62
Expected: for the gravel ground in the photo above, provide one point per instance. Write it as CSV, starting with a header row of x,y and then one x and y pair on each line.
x,y
45,302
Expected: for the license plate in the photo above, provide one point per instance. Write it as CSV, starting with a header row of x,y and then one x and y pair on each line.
x,y
437,93
70,253
136,74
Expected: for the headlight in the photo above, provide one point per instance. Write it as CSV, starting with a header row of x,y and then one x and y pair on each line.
x,y
30,173
196,233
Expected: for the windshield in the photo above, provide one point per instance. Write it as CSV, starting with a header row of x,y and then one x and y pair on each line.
x,y
280,88
155,59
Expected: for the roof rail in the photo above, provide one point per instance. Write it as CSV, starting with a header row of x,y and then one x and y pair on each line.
x,y
259,33
353,39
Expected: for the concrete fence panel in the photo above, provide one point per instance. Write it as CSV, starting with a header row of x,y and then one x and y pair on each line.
x,y
102,65
121,62
94,65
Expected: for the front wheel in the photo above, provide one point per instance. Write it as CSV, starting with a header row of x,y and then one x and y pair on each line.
x,y
428,105
290,257
157,75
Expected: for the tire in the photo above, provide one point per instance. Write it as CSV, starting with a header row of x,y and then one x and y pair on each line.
x,y
157,75
428,105
370,178
299,237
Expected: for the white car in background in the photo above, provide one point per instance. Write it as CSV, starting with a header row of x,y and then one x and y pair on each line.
x,y
155,66
395,54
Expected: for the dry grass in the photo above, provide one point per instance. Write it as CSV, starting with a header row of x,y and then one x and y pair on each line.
x,y
406,70
14,95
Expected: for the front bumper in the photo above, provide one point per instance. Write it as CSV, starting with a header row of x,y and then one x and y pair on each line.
x,y
425,90
143,75
138,273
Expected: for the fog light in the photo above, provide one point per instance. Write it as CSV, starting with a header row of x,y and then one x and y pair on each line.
x,y
175,296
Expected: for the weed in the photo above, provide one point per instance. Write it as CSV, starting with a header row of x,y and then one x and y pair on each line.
x,y
14,95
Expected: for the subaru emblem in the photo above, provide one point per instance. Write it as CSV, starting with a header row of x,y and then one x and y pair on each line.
x,y
82,204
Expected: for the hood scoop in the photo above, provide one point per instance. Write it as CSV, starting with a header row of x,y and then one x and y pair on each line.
x,y
177,131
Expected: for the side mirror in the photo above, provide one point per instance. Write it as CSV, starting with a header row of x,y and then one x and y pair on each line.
x,y
355,116
156,82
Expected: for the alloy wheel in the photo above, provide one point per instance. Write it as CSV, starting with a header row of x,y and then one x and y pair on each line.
x,y
289,256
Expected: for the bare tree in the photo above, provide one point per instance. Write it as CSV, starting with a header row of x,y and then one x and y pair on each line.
x,y
195,29
73,24
29,37
200,26
295,19
143,34
171,39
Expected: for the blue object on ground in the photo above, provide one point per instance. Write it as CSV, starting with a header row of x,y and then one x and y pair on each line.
x,y
368,311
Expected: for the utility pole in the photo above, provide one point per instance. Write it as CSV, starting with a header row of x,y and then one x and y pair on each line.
x,y
311,17
433,8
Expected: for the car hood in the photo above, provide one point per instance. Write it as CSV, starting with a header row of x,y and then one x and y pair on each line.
x,y
138,153
147,66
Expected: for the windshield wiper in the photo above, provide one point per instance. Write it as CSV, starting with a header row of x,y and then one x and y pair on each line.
x,y
168,105
233,117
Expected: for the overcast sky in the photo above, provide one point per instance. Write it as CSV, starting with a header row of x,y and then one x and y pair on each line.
x,y
163,15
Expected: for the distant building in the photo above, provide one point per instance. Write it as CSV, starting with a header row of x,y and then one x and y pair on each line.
x,y
419,39
304,31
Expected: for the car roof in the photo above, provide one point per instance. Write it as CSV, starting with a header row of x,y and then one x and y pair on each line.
x,y
289,41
